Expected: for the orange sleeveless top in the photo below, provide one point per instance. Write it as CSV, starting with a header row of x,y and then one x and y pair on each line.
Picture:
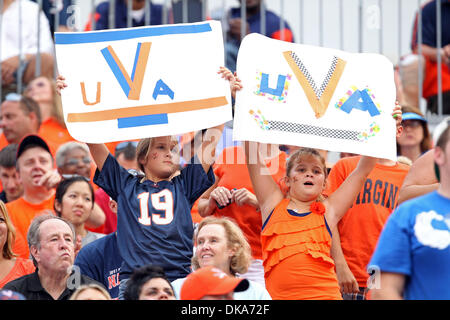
x,y
297,259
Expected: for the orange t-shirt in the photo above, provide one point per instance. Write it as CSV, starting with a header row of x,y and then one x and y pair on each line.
x,y
20,247
361,226
231,172
297,256
3,141
21,268
54,134
23,212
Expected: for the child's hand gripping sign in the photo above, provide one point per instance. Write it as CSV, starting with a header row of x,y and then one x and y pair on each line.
x,y
126,84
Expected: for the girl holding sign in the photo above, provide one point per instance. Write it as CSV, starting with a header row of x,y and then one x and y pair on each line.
x,y
154,221
296,232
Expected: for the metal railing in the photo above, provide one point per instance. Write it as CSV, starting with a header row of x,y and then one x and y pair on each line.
x,y
295,13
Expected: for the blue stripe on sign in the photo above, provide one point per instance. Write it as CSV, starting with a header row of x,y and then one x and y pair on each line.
x,y
116,70
136,58
114,35
143,120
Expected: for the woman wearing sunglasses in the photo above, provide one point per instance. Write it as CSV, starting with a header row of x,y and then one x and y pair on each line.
x,y
415,138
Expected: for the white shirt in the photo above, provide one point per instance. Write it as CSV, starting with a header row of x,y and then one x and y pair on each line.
x,y
9,45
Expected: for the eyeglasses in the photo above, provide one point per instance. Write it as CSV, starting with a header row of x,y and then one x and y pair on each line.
x,y
71,176
411,123
75,161
126,144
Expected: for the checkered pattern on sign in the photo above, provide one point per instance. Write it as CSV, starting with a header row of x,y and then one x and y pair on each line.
x,y
308,76
314,130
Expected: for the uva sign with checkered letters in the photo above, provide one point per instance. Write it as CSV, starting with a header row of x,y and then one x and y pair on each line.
x,y
126,84
315,97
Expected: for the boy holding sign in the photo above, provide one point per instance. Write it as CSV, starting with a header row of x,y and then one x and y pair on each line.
x,y
154,221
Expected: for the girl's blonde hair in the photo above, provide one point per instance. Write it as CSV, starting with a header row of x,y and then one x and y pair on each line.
x,y
11,234
304,153
236,240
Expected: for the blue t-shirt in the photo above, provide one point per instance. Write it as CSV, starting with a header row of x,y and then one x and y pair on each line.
x,y
254,21
429,23
101,261
154,223
121,10
416,242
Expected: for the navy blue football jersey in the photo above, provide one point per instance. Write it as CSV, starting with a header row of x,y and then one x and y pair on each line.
x,y
154,223
100,260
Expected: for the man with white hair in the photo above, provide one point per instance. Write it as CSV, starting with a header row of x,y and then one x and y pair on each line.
x,y
412,257
51,241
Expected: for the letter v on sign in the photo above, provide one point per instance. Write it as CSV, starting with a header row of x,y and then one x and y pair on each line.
x,y
318,97
131,86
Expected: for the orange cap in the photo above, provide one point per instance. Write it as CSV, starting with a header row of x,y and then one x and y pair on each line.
x,y
210,281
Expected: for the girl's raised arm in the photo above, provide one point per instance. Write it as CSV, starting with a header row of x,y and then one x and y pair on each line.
x,y
207,151
341,200
266,189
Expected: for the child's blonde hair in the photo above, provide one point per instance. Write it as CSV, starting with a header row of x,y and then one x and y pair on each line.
x,y
143,149
301,154
236,239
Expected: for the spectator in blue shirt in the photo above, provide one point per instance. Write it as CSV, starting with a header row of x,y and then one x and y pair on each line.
x,y
101,260
253,25
412,257
121,13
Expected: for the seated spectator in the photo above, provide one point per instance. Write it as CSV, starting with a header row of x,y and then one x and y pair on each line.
x,y
39,179
121,13
101,260
90,291
222,244
149,283
73,158
415,139
52,129
11,266
13,44
253,24
431,52
62,7
74,201
9,178
19,116
211,283
51,240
